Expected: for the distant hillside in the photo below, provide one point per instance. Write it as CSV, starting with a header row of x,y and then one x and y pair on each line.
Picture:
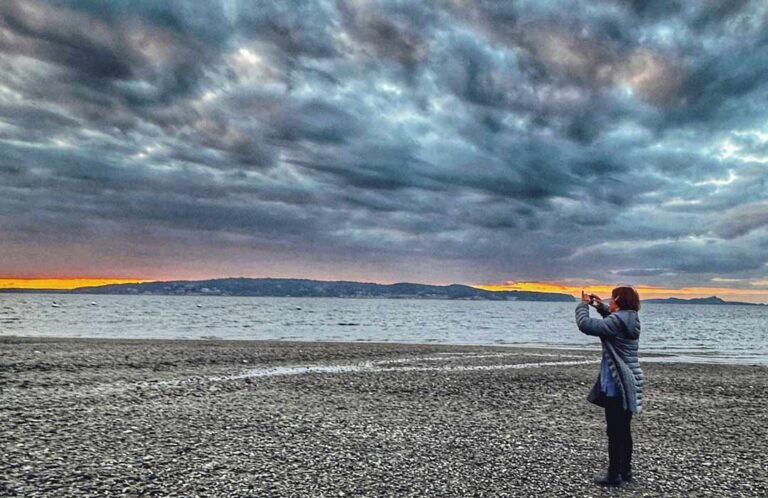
x,y
699,300
283,287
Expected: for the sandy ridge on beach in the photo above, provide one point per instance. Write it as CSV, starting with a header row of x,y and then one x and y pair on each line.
x,y
83,417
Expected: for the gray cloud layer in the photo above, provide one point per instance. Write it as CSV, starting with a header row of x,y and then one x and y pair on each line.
x,y
436,141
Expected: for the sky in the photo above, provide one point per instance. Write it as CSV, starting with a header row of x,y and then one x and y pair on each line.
x,y
522,145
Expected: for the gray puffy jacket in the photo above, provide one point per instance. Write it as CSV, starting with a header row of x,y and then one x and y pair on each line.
x,y
619,333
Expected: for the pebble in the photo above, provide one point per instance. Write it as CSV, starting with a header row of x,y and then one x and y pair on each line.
x,y
144,418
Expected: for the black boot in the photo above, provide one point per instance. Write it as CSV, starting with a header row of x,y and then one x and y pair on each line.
x,y
626,475
609,481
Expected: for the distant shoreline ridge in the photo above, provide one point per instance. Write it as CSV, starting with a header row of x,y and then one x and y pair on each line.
x,y
293,287
699,300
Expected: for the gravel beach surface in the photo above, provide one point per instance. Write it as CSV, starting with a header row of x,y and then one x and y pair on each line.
x,y
85,417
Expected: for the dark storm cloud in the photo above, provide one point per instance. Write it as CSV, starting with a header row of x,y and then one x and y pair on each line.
x,y
315,121
298,28
397,31
716,257
130,55
743,219
474,140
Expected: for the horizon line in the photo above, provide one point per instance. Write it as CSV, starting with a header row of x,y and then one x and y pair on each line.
x,y
548,287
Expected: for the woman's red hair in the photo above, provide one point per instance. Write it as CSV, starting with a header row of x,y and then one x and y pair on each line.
x,y
626,298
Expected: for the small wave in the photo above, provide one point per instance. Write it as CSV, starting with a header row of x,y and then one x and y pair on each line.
x,y
381,367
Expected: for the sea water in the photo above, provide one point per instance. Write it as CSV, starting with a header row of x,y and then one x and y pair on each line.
x,y
734,334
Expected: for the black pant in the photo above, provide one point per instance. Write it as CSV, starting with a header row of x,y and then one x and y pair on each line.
x,y
618,422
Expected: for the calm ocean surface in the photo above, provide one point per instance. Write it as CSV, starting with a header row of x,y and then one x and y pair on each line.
x,y
734,334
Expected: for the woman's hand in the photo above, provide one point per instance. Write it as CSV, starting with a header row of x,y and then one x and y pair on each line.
x,y
591,299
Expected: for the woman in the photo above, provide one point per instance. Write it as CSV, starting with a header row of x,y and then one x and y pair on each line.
x,y
619,388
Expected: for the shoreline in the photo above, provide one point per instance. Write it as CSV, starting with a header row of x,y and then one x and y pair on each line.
x,y
685,356
274,418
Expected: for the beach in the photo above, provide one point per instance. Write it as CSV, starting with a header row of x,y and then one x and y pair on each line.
x,y
110,417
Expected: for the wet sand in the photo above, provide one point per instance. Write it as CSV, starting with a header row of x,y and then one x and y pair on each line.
x,y
82,417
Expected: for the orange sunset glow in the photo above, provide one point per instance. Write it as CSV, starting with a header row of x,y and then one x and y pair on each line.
x,y
646,292
61,283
